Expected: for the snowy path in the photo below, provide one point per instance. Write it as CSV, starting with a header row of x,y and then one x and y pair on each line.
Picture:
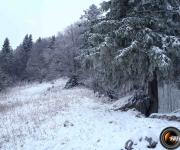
x,y
48,117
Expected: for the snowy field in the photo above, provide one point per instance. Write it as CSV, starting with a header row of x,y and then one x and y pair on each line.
x,y
47,117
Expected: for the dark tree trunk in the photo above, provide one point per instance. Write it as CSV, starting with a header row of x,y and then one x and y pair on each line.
x,y
153,94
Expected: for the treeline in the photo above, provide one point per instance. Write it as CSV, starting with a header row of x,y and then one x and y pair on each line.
x,y
13,63
122,46
47,58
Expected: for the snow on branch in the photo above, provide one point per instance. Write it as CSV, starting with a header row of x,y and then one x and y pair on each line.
x,y
125,51
158,55
171,42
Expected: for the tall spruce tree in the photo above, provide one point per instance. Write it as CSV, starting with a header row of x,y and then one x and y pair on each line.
x,y
7,57
6,46
135,43
6,65
22,56
52,42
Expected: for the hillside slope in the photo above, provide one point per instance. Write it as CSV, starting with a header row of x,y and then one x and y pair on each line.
x,y
47,117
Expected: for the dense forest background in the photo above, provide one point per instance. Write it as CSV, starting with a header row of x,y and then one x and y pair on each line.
x,y
121,47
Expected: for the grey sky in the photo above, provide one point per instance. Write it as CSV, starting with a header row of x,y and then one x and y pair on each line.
x,y
41,18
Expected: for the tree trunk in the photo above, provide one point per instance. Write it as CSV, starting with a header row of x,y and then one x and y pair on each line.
x,y
153,94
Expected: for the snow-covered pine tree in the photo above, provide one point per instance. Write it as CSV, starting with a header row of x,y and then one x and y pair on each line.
x,y
91,14
6,46
22,56
6,57
6,64
25,51
52,42
137,42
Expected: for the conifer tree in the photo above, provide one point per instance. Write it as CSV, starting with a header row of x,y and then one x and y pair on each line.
x,y
52,42
22,56
6,47
6,65
134,43
6,57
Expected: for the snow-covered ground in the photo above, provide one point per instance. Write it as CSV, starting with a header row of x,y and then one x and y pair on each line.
x,y
47,117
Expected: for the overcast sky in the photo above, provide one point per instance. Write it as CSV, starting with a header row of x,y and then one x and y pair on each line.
x,y
41,18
